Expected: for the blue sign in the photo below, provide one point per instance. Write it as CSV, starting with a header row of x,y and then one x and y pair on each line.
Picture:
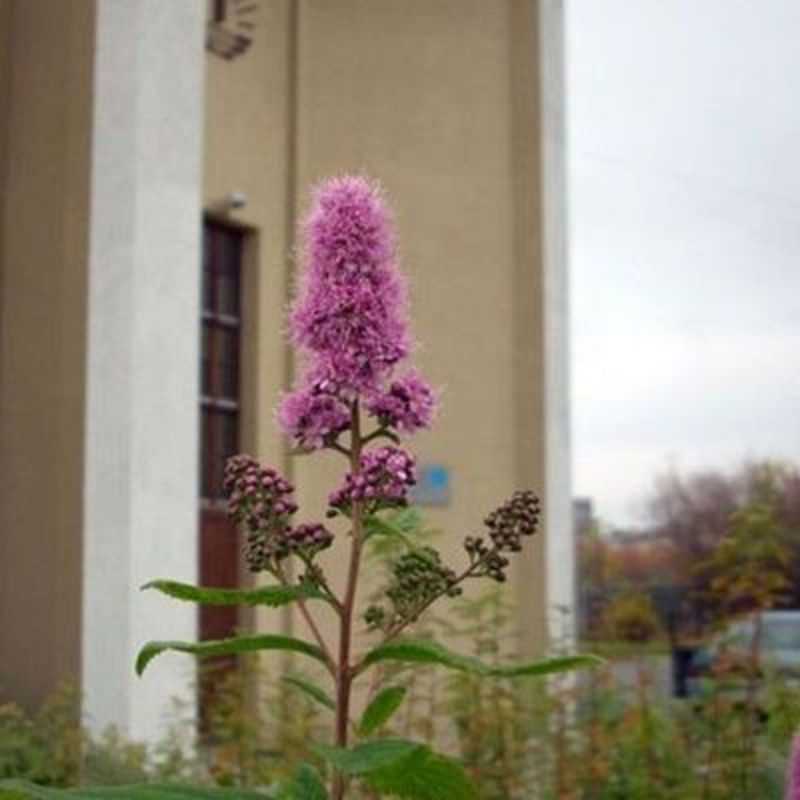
x,y
433,486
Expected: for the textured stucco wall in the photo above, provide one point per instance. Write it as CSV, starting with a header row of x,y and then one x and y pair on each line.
x,y
45,99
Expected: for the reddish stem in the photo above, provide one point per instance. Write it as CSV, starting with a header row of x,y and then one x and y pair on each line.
x,y
345,673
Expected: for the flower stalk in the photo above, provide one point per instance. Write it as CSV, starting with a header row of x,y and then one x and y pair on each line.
x,y
344,675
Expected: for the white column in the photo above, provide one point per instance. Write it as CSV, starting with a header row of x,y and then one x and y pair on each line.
x,y
558,500
142,374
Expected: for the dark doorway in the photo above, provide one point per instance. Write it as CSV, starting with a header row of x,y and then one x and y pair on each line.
x,y
219,435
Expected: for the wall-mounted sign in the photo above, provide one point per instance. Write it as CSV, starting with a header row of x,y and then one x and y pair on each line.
x,y
433,486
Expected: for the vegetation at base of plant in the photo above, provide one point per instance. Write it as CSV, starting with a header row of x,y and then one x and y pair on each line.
x,y
45,748
590,738
53,748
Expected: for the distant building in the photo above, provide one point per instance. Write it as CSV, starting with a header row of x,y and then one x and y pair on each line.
x,y
582,515
149,192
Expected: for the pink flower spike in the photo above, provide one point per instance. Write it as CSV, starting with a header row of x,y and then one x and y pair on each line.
x,y
349,321
349,315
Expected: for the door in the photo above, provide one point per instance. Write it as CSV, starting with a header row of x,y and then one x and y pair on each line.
x,y
219,436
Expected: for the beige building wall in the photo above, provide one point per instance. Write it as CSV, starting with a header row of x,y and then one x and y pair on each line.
x,y
45,100
437,99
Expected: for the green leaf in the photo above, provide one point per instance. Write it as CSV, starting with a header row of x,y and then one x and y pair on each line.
x,y
367,757
375,526
408,520
424,651
22,790
423,775
306,785
547,666
272,596
224,647
378,712
311,689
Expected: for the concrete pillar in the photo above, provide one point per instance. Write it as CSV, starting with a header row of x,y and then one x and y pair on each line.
x,y
560,543
141,431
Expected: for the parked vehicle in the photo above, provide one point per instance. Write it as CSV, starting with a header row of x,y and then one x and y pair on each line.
x,y
727,663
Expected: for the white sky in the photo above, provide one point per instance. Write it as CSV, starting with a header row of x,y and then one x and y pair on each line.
x,y
684,181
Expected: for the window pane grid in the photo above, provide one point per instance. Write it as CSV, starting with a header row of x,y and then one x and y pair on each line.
x,y
219,364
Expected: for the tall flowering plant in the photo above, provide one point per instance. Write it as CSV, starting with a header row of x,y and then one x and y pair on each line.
x,y
357,395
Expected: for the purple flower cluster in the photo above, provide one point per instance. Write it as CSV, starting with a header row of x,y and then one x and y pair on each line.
x,y
349,320
383,480
313,416
408,404
261,502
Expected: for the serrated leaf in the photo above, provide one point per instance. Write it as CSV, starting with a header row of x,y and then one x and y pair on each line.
x,y
408,520
311,689
423,775
224,647
379,711
547,666
424,651
306,785
367,757
272,596
22,790
375,526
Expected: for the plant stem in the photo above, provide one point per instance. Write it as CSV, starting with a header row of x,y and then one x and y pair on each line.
x,y
345,673
323,645
330,663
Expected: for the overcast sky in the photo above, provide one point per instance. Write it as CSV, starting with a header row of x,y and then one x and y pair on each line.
x,y
684,181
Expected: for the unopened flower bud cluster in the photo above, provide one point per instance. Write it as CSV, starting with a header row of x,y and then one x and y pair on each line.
x,y
418,578
261,502
309,538
508,525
